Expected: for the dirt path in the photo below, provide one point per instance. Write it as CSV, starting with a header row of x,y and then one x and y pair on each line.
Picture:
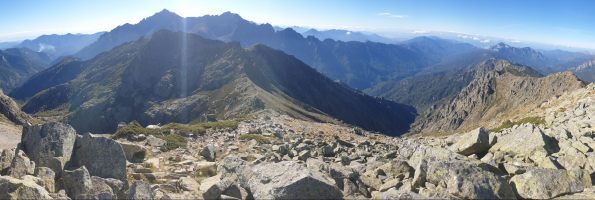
x,y
10,135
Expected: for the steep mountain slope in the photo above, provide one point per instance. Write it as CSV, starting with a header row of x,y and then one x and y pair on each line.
x,y
56,46
10,110
175,77
500,89
435,84
17,65
358,64
441,82
67,69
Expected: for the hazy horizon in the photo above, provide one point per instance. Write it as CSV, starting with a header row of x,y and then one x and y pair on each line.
x,y
560,23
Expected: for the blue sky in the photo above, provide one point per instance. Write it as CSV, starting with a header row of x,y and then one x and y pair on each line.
x,y
560,22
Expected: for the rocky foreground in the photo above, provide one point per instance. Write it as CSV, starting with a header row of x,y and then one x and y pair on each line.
x,y
273,156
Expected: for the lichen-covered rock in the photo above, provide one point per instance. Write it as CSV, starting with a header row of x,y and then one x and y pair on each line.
x,y
77,183
291,180
103,157
6,156
49,145
21,165
12,188
47,177
549,183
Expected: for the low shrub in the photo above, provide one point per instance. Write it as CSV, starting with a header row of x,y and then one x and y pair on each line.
x,y
527,120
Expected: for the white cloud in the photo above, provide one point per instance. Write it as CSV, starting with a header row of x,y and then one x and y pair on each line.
x,y
420,32
387,14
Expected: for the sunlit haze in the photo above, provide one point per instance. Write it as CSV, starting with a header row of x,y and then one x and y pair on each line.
x,y
567,23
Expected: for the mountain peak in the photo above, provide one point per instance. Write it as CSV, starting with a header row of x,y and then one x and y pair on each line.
x,y
500,45
164,14
231,15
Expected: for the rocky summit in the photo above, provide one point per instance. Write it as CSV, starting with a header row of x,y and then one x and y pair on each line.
x,y
270,155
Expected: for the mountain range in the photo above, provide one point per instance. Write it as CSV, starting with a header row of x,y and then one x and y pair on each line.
x,y
358,64
56,46
178,77
425,72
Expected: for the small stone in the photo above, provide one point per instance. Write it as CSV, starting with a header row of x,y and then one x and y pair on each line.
x,y
208,152
188,184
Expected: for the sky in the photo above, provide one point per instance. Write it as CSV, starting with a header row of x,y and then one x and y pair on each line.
x,y
559,22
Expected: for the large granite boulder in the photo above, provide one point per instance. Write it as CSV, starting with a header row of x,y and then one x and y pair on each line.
x,y
549,183
12,188
291,180
524,140
474,142
464,179
49,145
103,157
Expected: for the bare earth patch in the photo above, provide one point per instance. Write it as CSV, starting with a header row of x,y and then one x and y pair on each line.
x,y
10,135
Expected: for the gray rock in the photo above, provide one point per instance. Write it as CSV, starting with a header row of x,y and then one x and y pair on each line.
x,y
236,191
21,165
6,157
533,139
304,155
12,188
210,187
396,194
155,142
465,179
549,183
103,157
100,189
208,152
188,184
77,183
47,177
291,180
327,151
49,145
134,153
140,190
474,142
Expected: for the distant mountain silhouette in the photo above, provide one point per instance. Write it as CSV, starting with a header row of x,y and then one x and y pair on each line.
x,y
56,46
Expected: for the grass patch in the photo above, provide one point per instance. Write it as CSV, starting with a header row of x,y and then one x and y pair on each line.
x,y
259,138
528,120
175,140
